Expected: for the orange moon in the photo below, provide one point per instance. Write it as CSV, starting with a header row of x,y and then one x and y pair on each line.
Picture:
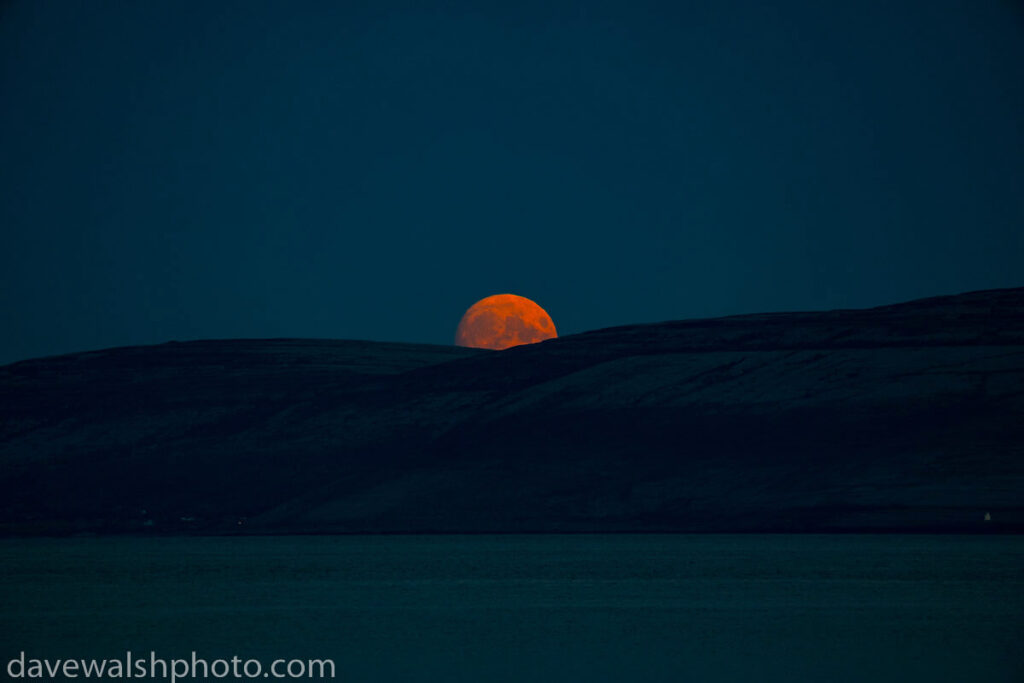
x,y
504,320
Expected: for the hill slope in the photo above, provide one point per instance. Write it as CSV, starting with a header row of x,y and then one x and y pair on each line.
x,y
906,417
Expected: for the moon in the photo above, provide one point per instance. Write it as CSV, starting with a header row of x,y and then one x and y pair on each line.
x,y
503,320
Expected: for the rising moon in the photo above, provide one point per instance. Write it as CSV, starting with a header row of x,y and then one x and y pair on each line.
x,y
504,320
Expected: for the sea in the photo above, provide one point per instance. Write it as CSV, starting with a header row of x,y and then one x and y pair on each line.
x,y
530,608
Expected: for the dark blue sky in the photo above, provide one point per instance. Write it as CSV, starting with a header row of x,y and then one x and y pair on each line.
x,y
368,170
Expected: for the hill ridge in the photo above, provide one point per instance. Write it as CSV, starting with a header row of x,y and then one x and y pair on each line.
x,y
896,418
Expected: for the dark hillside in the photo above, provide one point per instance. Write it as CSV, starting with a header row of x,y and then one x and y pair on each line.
x,y
906,417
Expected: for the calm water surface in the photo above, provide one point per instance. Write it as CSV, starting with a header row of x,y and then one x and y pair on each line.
x,y
534,608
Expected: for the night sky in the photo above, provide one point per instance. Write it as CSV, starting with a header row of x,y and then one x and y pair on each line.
x,y
185,170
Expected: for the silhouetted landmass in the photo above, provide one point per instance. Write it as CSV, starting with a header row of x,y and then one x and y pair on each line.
x,y
900,418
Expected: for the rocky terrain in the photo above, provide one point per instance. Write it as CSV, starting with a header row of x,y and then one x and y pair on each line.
x,y
900,418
